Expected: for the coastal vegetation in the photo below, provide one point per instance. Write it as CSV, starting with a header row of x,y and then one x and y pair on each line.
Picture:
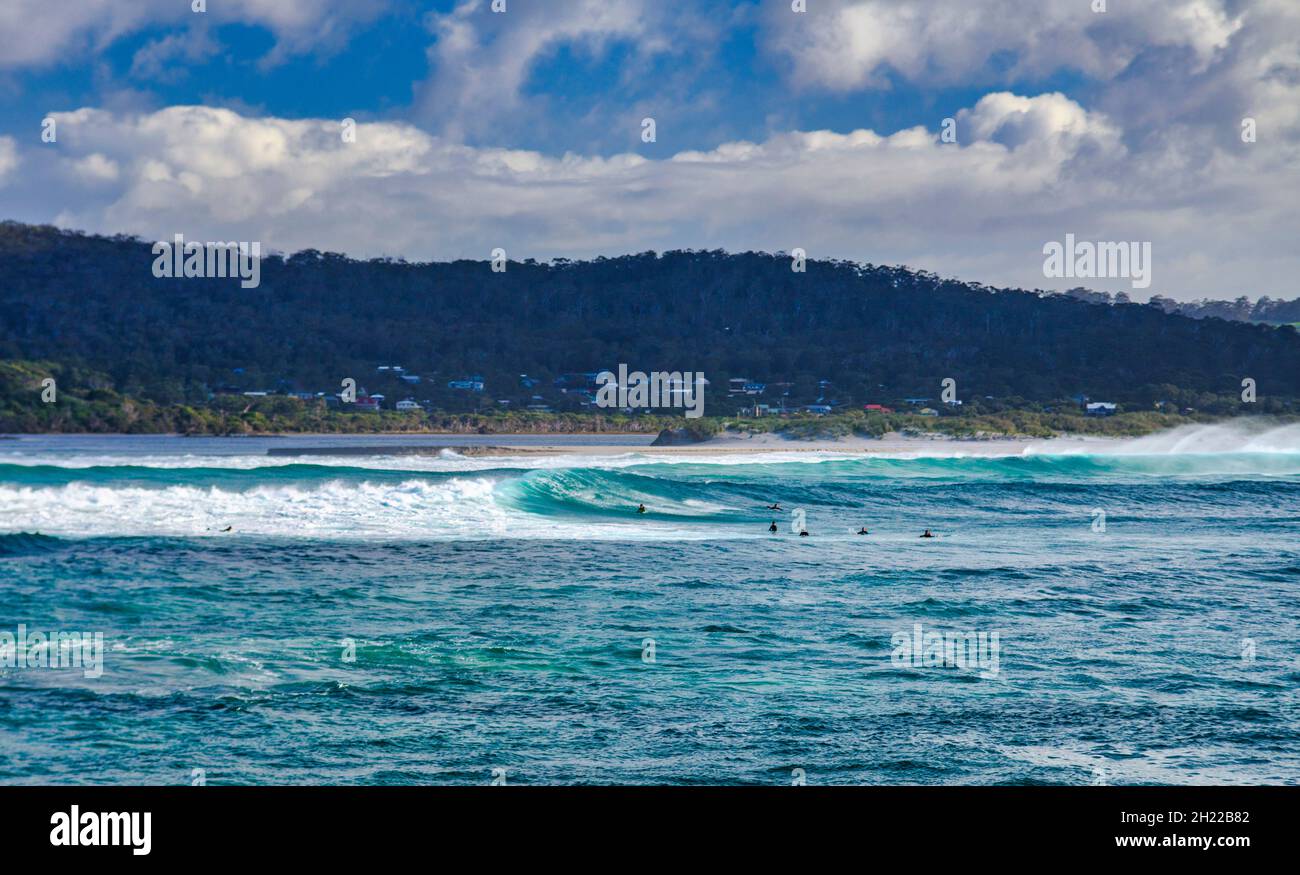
x,y
466,349
84,403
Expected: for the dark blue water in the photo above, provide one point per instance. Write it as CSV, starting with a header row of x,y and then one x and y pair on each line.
x,y
500,615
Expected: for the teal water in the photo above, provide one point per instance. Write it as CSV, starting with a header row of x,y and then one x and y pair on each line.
x,y
499,611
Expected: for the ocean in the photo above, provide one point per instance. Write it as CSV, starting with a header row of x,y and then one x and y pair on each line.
x,y
1090,612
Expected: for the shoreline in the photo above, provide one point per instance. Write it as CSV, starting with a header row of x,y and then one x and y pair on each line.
x,y
330,444
1206,437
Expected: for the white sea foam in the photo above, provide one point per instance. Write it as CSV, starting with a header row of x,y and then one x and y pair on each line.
x,y
475,504
462,508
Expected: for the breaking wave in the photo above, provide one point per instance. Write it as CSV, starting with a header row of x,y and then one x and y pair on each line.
x,y
594,497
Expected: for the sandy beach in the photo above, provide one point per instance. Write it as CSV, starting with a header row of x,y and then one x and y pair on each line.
x,y
493,445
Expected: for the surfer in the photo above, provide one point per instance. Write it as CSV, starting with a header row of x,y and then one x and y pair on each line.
x,y
863,531
926,534
803,533
772,528
776,506
227,528
641,509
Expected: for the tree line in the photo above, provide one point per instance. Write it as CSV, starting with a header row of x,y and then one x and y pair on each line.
x,y
838,332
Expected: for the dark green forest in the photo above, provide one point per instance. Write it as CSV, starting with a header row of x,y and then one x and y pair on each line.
x,y
840,333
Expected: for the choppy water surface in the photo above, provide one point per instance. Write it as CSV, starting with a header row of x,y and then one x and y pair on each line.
x,y
502,609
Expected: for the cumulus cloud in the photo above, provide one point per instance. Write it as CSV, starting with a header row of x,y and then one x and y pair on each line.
x,y
96,168
1025,170
1173,75
1045,133
850,44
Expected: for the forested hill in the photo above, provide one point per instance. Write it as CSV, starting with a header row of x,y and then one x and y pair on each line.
x,y
877,333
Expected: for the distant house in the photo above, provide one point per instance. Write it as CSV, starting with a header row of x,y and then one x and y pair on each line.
x,y
528,382
819,409
1099,408
368,403
538,407
927,411
467,384
744,386
575,381
680,387
916,401
877,408
408,404
411,378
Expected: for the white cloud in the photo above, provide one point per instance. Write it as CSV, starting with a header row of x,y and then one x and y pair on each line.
x,y
8,157
480,61
154,59
1025,170
96,168
849,44
36,33
1177,74
1044,133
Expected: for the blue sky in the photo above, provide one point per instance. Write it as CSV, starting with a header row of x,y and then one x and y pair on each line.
x,y
775,128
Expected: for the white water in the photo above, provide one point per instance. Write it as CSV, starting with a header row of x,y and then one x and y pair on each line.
x,y
471,506
462,508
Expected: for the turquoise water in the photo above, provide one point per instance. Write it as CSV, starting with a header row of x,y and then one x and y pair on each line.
x,y
497,611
